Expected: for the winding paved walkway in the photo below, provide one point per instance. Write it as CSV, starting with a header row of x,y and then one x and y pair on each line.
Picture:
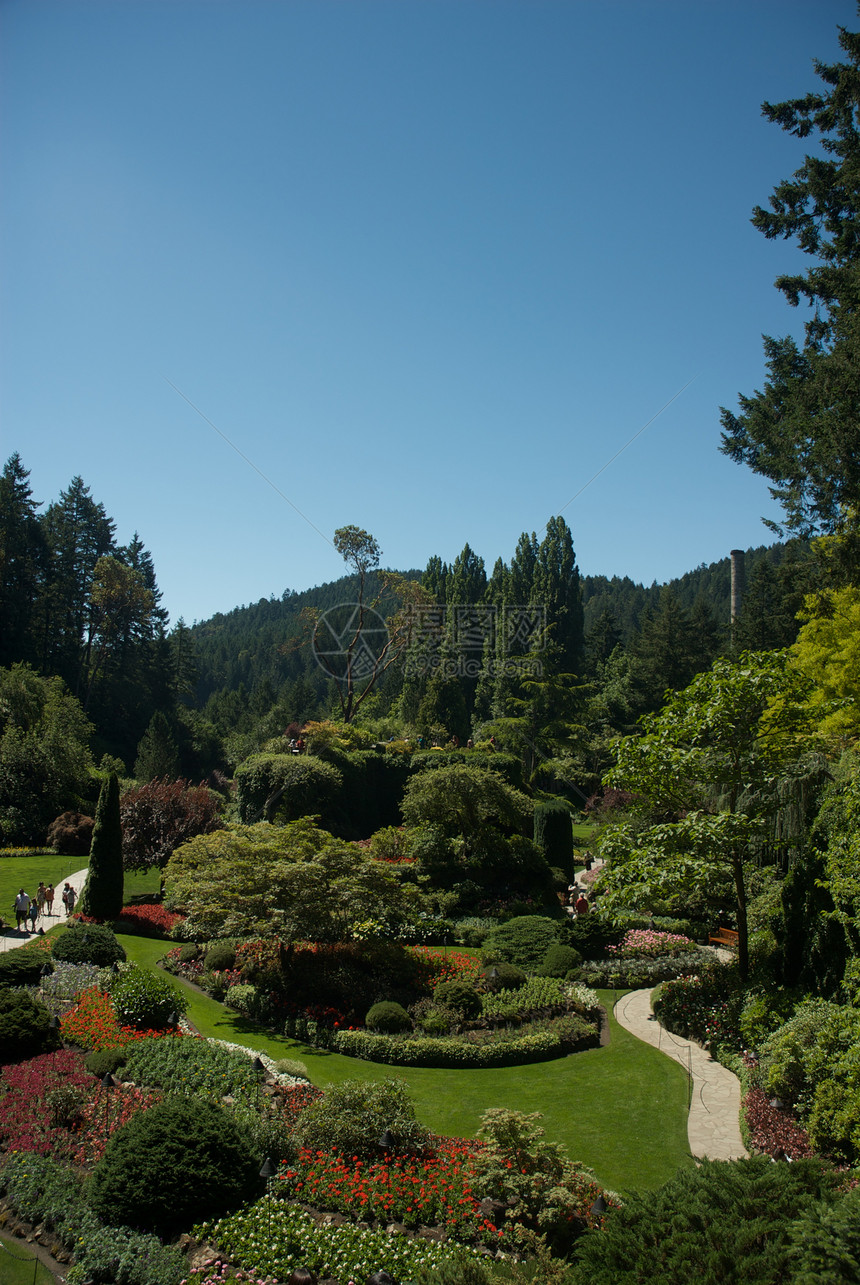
x,y
11,937
713,1127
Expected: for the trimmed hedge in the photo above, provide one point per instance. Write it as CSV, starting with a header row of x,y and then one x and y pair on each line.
x,y
553,834
435,1051
636,974
507,766
286,787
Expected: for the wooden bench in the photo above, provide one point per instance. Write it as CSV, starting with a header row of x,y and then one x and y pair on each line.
x,y
725,937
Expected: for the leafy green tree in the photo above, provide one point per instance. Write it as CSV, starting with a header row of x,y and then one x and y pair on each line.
x,y
827,652
101,897
294,881
706,775
466,802
802,430
45,759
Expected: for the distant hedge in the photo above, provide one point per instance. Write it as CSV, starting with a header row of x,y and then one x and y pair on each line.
x,y
508,766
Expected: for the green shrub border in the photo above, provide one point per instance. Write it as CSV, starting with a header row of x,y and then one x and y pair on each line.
x,y
438,1052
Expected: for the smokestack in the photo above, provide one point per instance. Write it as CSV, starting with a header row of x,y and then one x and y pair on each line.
x,y
737,556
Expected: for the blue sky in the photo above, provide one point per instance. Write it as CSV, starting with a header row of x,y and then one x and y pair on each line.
x,y
427,264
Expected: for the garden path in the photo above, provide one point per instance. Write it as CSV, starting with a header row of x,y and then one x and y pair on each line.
x,y
713,1125
10,937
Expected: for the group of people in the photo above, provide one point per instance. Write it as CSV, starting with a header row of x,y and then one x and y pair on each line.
x,y
27,908
577,901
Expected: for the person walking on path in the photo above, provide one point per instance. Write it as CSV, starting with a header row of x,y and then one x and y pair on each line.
x,y
49,899
41,897
34,913
22,909
70,897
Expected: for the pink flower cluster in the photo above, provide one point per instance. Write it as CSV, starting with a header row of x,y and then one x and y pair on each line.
x,y
649,942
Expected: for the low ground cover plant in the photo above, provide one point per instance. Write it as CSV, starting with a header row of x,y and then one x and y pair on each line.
x,y
93,1024
194,1066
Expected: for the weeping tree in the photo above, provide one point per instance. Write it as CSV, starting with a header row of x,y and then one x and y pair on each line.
x,y
103,891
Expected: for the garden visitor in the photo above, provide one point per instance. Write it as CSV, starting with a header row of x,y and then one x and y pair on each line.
x,y
34,913
41,896
22,909
49,898
581,906
71,898
302,1276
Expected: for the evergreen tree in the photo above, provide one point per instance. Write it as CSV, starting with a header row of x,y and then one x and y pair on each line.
x,y
22,555
157,753
803,429
102,893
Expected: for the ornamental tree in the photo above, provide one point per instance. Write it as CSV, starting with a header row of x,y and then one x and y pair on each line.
x,y
160,816
710,774
294,881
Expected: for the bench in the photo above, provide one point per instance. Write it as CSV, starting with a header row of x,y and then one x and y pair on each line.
x,y
725,937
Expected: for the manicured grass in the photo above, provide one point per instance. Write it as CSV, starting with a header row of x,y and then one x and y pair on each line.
x,y
621,1109
19,1267
583,832
25,872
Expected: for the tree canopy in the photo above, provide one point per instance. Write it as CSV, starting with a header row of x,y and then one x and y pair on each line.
x,y
803,429
294,881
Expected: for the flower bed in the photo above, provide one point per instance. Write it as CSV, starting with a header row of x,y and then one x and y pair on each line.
x,y
276,1238
650,944
92,1024
770,1130
641,972
431,1191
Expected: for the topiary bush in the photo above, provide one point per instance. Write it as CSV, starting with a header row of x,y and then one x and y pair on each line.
x,y
388,1017
460,997
71,834
553,834
220,957
559,961
145,999
25,1027
175,1164
89,944
523,941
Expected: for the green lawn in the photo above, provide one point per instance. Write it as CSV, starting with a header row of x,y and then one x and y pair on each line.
x,y
620,1109
19,1267
25,872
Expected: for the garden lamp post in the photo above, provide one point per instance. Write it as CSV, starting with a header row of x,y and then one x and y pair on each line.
x,y
599,1208
386,1140
268,1172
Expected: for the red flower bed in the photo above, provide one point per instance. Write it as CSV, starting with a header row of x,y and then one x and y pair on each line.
x,y
151,919
433,1191
449,966
92,1024
771,1130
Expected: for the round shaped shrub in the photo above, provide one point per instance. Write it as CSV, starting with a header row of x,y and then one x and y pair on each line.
x,y
89,944
389,1018
145,999
180,1162
220,956
189,952
102,1062
457,995
506,977
25,1027
559,961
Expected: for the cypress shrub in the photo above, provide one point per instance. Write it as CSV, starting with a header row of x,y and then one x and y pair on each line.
x,y
553,834
102,893
180,1162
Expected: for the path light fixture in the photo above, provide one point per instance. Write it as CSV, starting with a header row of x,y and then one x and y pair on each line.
x,y
599,1208
267,1173
173,1019
777,1104
386,1140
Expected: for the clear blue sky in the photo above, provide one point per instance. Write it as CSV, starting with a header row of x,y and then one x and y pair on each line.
x,y
428,264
